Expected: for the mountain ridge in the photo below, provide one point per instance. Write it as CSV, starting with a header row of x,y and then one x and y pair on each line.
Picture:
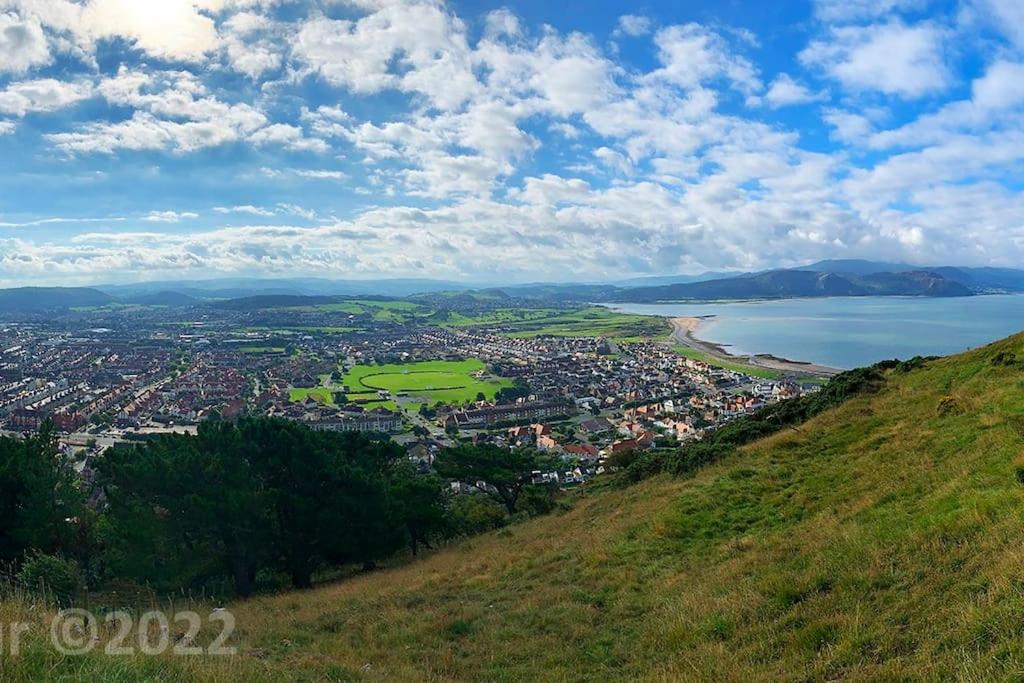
x,y
842,277
785,284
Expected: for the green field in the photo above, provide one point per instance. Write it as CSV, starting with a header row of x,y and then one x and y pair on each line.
x,y
593,321
501,317
447,381
323,395
750,370
261,349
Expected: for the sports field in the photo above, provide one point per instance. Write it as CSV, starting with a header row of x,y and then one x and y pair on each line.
x,y
440,380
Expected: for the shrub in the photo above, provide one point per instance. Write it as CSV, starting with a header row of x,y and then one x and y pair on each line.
x,y
471,514
538,500
50,575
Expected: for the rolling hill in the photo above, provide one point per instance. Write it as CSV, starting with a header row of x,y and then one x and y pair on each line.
x,y
41,299
882,540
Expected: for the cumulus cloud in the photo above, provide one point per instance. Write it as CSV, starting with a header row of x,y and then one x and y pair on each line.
x,y
784,92
634,25
1006,16
415,47
174,30
692,54
846,10
22,43
893,58
43,95
168,216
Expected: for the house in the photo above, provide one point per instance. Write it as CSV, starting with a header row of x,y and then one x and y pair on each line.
x,y
581,451
595,425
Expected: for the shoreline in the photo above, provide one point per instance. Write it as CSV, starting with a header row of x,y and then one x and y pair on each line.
x,y
684,332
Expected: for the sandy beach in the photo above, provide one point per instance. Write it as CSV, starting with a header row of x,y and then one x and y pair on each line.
x,y
684,332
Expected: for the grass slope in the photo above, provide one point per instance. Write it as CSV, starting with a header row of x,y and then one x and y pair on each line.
x,y
881,540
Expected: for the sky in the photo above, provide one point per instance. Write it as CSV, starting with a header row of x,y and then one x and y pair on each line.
x,y
486,141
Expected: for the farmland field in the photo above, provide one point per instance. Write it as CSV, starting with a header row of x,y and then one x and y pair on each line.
x,y
448,381
594,321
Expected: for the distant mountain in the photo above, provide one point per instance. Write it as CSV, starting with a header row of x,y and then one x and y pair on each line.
x,y
979,280
655,280
173,299
561,292
231,288
40,299
859,267
784,284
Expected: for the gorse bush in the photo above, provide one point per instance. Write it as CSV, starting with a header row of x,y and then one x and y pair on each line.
x,y
50,576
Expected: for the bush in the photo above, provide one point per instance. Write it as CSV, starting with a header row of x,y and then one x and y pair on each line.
x,y
471,514
51,576
538,500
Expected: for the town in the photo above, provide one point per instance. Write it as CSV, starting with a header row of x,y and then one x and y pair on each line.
x,y
111,376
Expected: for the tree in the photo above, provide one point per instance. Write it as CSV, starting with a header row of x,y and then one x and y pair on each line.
x,y
510,394
480,396
239,497
183,509
38,496
504,472
419,503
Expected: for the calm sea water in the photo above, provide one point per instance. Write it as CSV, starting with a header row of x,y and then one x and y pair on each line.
x,y
851,332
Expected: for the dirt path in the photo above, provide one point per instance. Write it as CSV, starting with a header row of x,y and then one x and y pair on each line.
x,y
684,331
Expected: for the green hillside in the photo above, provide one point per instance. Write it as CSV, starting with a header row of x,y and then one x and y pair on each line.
x,y
881,540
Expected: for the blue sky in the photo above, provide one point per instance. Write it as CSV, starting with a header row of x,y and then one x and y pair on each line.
x,y
515,141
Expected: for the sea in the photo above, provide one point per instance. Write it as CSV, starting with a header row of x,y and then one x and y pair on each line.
x,y
849,332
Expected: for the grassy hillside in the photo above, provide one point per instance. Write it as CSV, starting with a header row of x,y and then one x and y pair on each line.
x,y
882,540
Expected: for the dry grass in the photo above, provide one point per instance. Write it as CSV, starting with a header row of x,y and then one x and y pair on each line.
x,y
882,540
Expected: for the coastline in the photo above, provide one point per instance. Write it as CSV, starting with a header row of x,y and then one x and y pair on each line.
x,y
684,332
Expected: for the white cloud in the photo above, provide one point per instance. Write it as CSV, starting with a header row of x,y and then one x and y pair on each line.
x,y
175,112
848,127
288,136
892,58
693,55
168,29
1001,87
22,43
634,25
846,10
7,127
44,95
248,209
410,46
1006,16
997,102
613,160
168,216
502,22
314,174
253,44
784,92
